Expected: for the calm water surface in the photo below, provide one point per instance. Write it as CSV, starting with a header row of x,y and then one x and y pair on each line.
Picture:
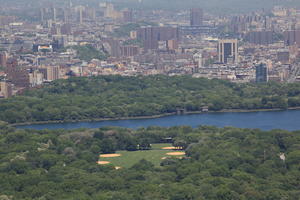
x,y
289,120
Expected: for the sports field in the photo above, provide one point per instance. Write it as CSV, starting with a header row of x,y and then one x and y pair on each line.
x,y
125,159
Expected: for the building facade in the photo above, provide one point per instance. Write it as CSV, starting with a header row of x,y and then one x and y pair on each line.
x,y
228,51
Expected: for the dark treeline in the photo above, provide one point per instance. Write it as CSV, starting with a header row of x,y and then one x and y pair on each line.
x,y
223,164
116,96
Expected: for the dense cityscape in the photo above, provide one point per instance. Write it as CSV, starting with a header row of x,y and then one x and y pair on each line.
x,y
58,41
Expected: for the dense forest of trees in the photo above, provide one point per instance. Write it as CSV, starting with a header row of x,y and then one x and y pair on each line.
x,y
116,96
224,164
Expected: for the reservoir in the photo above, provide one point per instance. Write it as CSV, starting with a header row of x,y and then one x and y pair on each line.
x,y
265,120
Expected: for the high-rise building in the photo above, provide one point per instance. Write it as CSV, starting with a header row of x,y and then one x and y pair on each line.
x,y
54,14
283,56
110,11
198,60
3,58
66,15
260,37
52,73
129,50
114,47
292,37
261,73
172,45
80,13
66,29
36,78
196,18
6,89
17,75
150,36
228,51
127,16
42,14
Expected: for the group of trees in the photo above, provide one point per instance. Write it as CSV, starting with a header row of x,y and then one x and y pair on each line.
x,y
124,30
223,163
82,98
88,52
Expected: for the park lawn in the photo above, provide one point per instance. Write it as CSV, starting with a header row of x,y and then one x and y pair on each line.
x,y
129,158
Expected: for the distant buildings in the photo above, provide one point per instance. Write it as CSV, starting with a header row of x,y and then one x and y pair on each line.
x,y
150,36
3,59
228,51
292,37
52,73
16,74
6,89
260,37
80,14
196,17
283,56
129,50
127,16
36,78
261,72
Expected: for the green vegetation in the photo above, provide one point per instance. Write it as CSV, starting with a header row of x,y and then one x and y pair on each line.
x,y
124,30
117,96
225,163
133,42
129,158
89,52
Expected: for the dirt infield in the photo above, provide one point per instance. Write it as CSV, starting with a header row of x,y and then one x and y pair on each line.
x,y
117,167
110,155
168,148
171,148
176,153
103,162
163,158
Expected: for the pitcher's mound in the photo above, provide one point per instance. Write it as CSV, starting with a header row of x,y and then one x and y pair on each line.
x,y
110,155
103,162
176,153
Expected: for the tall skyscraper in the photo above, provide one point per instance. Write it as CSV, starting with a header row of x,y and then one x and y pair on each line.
x,y
261,73
228,51
196,18
54,14
66,15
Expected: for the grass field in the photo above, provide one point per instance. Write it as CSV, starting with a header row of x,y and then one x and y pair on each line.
x,y
129,158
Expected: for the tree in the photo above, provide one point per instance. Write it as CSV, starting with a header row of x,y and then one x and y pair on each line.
x,y
108,146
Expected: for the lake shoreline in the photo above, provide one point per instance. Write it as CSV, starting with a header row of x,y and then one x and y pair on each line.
x,y
151,117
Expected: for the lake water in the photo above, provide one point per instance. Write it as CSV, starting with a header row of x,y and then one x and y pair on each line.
x,y
288,120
